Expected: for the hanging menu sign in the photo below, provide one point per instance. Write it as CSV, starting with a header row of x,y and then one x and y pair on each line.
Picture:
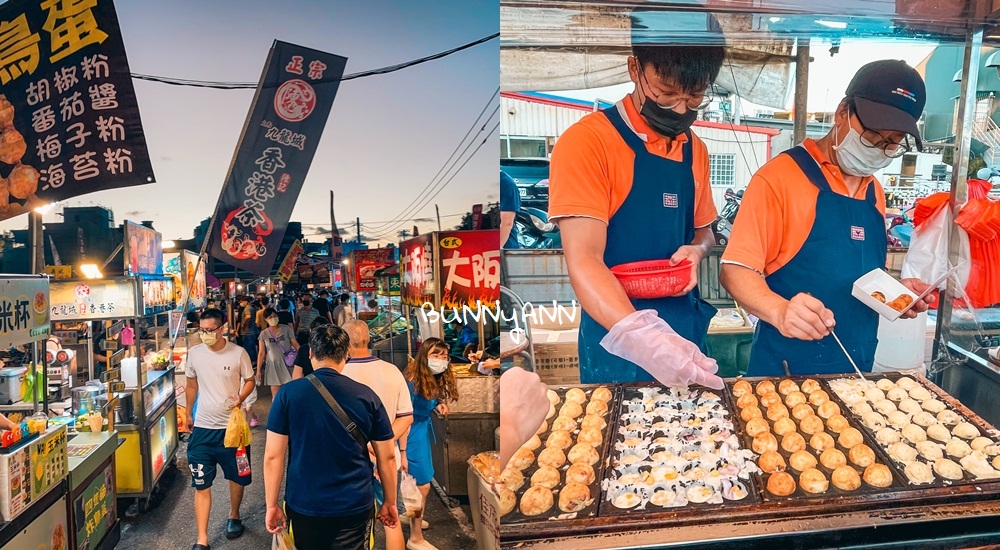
x,y
92,300
24,310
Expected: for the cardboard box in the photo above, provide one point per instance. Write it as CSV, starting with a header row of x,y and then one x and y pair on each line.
x,y
878,280
485,505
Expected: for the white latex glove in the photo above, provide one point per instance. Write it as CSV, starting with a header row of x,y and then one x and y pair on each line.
x,y
648,341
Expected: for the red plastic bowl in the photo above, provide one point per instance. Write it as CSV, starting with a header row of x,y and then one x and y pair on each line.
x,y
653,278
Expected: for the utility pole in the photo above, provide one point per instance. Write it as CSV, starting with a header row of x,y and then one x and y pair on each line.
x,y
37,242
438,212
358,221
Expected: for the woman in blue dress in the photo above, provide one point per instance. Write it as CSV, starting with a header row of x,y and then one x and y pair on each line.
x,y
432,385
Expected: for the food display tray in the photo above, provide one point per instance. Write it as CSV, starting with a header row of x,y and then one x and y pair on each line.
x,y
985,430
554,513
833,494
607,507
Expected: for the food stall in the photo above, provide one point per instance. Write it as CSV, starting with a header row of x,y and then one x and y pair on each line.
x,y
769,481
447,275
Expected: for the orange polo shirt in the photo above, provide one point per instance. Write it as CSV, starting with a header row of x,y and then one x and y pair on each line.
x,y
779,209
590,174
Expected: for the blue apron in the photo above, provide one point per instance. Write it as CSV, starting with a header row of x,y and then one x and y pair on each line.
x,y
655,220
847,240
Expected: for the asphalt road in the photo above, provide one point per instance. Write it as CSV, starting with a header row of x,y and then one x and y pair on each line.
x,y
169,523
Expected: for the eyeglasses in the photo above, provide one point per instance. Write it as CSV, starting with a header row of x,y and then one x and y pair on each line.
x,y
875,140
209,330
695,102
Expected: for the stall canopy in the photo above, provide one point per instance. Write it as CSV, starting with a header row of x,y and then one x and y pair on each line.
x,y
572,45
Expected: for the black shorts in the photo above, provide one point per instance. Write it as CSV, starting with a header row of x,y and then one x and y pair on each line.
x,y
332,533
205,451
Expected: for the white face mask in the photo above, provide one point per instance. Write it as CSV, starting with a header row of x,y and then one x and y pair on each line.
x,y
857,160
437,365
272,321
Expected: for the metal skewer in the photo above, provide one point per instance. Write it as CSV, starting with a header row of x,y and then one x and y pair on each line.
x,y
853,364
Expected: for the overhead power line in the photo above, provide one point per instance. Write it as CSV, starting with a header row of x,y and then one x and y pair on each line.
x,y
220,85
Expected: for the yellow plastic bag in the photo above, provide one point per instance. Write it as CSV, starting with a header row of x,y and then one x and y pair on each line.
x,y
282,541
237,430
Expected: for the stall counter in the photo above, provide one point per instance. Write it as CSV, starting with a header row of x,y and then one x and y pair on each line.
x,y
92,504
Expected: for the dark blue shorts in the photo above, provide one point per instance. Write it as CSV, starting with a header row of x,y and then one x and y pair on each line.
x,y
206,451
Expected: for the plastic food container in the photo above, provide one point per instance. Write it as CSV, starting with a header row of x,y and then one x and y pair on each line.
x,y
653,278
10,384
877,280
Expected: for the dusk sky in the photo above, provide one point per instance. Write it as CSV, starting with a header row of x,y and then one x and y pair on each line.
x,y
387,135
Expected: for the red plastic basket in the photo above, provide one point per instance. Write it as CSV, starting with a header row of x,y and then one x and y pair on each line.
x,y
653,278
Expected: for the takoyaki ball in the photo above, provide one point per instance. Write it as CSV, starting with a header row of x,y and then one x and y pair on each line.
x,y
965,430
832,459
878,475
764,442
885,384
898,418
918,472
532,443
551,456
6,112
906,383
597,407
862,408
887,436
590,436
828,409
909,406
795,398
810,385
811,424
581,452
930,450
536,501
741,388
793,442
878,296
845,478
559,439
543,428
862,455
801,461
784,426
22,181
602,394
801,411
996,462
813,481
750,413
818,397
913,433
747,400
980,443
580,472
765,386
872,393
821,442
594,421
837,423
777,411
920,393
522,459
771,462
902,452
873,420
939,432
924,418
786,387
897,394
769,399
884,407
508,500
957,448
933,406
991,450
574,497
781,484
12,146
546,476
576,395
757,426
948,469
511,478
552,412
571,409
849,438
564,423
948,417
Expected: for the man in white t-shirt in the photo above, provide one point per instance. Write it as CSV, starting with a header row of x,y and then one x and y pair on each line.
x,y
343,312
219,378
389,385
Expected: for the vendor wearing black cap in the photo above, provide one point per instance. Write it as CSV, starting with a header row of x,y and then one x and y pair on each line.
x,y
813,220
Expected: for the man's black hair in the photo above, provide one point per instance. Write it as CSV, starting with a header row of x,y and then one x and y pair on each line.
x,y
284,304
269,311
693,68
265,301
213,313
324,293
319,321
329,342
344,298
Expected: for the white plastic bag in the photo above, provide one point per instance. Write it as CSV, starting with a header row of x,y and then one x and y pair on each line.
x,y
250,400
927,258
282,541
412,499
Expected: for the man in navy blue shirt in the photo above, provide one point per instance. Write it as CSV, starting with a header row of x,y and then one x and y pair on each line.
x,y
510,203
329,506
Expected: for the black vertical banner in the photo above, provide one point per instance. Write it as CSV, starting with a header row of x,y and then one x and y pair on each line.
x,y
69,121
282,131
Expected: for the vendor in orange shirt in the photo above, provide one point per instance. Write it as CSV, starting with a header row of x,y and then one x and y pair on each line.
x,y
631,183
812,221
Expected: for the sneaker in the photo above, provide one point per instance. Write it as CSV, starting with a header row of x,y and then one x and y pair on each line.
x,y
405,518
253,422
422,545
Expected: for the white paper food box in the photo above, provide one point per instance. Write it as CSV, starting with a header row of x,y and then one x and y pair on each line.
x,y
878,280
485,505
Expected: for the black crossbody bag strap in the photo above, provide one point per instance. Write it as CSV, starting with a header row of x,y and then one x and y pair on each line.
x,y
339,411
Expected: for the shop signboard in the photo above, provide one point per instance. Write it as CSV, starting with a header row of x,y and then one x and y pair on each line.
x,y
59,271
364,264
143,250
94,510
416,265
287,268
157,295
193,280
49,462
93,299
47,532
279,140
469,268
388,284
71,123
24,310
163,440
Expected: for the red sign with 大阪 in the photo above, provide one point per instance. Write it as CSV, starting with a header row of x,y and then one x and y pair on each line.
x,y
416,270
469,267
